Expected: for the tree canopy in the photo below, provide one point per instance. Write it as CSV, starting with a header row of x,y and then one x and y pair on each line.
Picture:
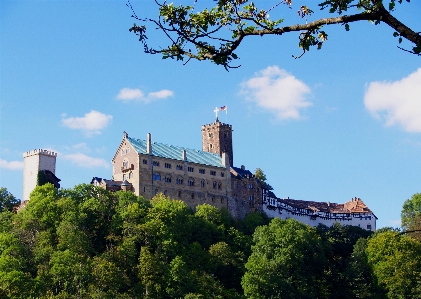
x,y
215,33
7,201
87,242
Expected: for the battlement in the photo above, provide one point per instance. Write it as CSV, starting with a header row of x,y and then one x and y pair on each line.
x,y
40,152
216,123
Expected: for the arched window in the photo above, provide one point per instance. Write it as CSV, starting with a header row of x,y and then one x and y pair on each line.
x,y
202,183
167,179
156,176
179,181
179,194
214,185
191,182
219,185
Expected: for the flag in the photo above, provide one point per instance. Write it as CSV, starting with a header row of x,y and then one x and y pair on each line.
x,y
223,108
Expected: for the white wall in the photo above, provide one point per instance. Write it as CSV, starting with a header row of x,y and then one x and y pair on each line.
x,y
35,161
366,221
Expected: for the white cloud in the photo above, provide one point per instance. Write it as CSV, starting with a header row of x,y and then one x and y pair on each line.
x,y
128,94
12,165
85,161
396,103
91,123
276,90
162,94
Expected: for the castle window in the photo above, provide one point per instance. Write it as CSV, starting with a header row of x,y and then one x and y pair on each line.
x,y
190,169
210,135
191,182
125,164
155,163
124,177
179,194
222,174
167,179
192,196
156,177
202,183
219,185
201,170
213,199
130,175
167,165
165,192
144,189
210,146
369,226
250,186
179,181
213,172
179,167
251,197
145,161
214,185
222,200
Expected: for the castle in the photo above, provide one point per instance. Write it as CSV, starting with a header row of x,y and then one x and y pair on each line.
x,y
209,176
201,176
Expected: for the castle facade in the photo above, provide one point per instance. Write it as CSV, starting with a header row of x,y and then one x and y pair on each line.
x,y
209,176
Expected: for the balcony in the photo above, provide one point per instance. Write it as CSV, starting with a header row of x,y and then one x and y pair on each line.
x,y
125,168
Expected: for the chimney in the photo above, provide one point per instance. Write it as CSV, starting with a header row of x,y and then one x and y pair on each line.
x,y
225,159
148,144
243,167
184,155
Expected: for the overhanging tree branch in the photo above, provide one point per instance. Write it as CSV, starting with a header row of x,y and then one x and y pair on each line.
x,y
203,35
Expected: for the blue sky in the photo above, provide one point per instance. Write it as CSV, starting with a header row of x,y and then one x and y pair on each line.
x,y
337,123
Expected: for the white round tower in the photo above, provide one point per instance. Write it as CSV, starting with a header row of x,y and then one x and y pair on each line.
x,y
34,161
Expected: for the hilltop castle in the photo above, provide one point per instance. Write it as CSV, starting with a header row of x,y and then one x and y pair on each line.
x,y
209,176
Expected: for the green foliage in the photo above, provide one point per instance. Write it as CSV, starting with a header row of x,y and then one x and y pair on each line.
x,y
339,241
41,178
410,210
87,242
396,262
259,174
215,33
362,281
7,201
287,261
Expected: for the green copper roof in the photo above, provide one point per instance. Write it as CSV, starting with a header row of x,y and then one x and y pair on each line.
x,y
175,153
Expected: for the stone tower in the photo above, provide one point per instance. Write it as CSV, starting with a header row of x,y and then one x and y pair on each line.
x,y
34,161
217,138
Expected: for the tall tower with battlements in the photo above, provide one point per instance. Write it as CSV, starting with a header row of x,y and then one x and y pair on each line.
x,y
217,138
34,161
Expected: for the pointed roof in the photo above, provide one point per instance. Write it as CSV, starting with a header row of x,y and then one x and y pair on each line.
x,y
175,152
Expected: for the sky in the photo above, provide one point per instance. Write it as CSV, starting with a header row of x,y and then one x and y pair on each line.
x,y
337,123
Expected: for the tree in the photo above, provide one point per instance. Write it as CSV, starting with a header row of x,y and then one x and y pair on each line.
x,y
287,262
215,34
7,201
396,262
411,216
259,174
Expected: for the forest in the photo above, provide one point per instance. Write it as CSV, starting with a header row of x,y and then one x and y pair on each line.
x,y
87,242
